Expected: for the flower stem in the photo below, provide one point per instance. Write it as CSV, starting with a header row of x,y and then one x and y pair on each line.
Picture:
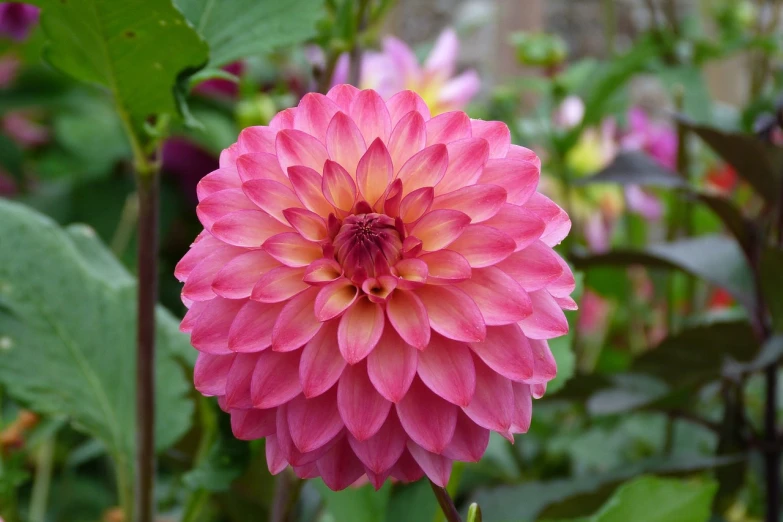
x,y
354,76
446,503
43,478
149,193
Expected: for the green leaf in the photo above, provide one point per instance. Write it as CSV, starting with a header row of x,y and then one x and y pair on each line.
x,y
772,285
714,258
135,48
635,168
362,504
474,513
241,28
226,461
67,328
412,503
652,499
756,162
731,216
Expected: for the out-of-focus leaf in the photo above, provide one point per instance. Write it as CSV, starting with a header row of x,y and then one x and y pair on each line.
x,y
242,28
630,392
412,503
226,461
10,157
362,504
730,215
583,495
772,285
731,441
714,258
635,168
68,333
474,513
135,48
771,353
758,163
688,81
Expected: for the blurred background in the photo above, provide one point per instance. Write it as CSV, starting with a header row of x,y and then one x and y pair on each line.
x,y
645,114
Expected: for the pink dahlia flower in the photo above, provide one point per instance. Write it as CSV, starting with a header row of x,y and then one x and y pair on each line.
x,y
374,288
396,68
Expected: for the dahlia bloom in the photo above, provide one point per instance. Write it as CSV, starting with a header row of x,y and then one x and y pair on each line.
x,y
395,68
374,288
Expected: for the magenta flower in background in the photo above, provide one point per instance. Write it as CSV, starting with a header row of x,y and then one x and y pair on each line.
x,y
395,68
374,288
17,19
656,139
188,163
219,87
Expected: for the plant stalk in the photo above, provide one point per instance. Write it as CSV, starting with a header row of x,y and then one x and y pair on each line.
x,y
43,479
149,194
354,76
772,457
446,503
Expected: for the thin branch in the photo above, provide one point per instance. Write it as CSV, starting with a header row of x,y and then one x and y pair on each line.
x,y
446,504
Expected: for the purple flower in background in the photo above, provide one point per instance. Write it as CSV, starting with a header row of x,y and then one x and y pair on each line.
x,y
188,163
657,139
17,19
221,87
395,68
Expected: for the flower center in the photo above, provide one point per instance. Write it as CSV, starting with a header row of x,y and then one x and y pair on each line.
x,y
367,245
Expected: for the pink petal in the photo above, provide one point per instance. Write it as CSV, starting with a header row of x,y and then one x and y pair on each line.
x,y
260,165
252,424
321,363
547,320
298,148
407,139
448,127
217,180
313,422
496,133
360,330
228,157
466,162
198,286
296,323
219,204
343,96
470,441
308,471
210,333
322,271
275,460
534,267
275,380
516,152
446,267
492,406
523,408
566,303
537,390
371,115
204,246
457,92
405,102
247,228
334,299
291,249
479,202
256,139
307,185
563,285
339,468
344,142
211,372
427,419
251,330
381,451
402,58
374,172
443,58
313,115
519,178
507,351
557,222
238,381
279,284
272,197
192,315
519,223
414,205
545,366
391,366
499,297
238,277
338,187
409,317
483,246
424,169
452,313
436,467
406,469
446,367
412,273
289,449
310,225
439,228
362,408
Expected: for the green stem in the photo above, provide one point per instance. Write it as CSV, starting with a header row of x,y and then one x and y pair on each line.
x,y
453,486
126,226
39,497
198,499
610,26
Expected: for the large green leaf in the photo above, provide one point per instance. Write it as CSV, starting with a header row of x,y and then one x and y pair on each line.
x,y
652,499
635,168
772,285
236,29
67,329
135,48
362,504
